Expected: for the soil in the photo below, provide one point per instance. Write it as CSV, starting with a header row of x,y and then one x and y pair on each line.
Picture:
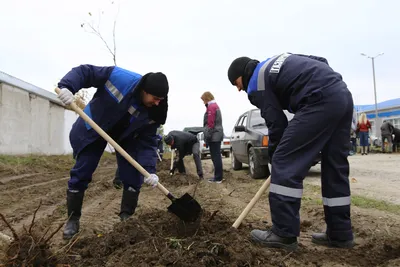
x,y
155,237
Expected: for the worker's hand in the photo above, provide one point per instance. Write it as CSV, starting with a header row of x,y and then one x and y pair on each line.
x,y
152,180
66,96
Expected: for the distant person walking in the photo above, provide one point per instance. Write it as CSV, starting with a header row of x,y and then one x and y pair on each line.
x,y
363,127
213,134
387,134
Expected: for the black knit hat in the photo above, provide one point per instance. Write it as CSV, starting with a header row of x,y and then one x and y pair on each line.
x,y
168,139
236,69
155,84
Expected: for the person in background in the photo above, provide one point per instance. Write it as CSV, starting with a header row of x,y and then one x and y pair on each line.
x,y
386,133
213,134
353,135
160,148
396,138
353,143
363,127
186,144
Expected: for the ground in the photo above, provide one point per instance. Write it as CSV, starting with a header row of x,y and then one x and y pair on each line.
x,y
154,237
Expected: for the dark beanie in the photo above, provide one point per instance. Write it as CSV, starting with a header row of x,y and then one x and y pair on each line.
x,y
155,84
236,69
168,139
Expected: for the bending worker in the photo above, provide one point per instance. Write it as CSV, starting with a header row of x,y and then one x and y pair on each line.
x,y
187,144
323,106
129,107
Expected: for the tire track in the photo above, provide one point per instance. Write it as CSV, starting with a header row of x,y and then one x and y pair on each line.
x,y
19,211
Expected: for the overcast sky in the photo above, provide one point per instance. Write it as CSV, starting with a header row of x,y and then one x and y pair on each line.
x,y
193,43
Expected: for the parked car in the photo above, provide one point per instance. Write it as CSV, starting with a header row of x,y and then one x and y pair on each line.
x,y
249,144
205,151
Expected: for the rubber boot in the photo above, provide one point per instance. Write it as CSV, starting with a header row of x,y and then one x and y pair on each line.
x,y
128,203
74,204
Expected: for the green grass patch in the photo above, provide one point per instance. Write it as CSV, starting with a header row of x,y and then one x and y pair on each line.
x,y
312,195
370,203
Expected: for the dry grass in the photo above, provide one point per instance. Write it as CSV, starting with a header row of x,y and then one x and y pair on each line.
x,y
22,164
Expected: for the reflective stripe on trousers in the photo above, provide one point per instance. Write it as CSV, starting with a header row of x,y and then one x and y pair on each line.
x,y
286,191
336,201
298,193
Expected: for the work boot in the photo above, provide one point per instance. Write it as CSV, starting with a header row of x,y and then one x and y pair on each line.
x,y
271,240
74,205
128,203
323,239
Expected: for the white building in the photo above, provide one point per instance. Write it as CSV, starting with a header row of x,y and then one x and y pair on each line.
x,y
32,120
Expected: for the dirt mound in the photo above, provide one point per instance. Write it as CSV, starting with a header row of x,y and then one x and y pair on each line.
x,y
159,238
176,179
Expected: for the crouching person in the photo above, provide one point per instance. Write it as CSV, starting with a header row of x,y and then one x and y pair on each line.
x,y
186,144
129,107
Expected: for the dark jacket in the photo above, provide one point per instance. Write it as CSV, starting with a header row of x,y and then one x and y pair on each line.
x,y
282,83
396,133
183,141
387,128
213,130
117,108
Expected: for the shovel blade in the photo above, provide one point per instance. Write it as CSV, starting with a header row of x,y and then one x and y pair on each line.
x,y
186,208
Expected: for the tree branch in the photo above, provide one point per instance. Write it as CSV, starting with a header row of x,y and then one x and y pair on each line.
x,y
95,32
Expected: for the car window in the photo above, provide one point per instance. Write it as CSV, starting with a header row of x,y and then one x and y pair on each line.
x,y
244,121
239,121
256,120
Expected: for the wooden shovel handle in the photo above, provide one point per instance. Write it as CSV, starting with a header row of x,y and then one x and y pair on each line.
x,y
172,159
113,143
249,206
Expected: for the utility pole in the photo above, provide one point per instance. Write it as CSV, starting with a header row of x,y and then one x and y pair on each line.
x,y
376,101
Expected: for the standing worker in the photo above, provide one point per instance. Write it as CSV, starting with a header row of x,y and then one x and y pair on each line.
x,y
323,107
187,144
213,134
127,106
387,134
363,127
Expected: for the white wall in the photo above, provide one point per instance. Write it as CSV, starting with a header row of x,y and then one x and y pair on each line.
x,y
30,123
69,119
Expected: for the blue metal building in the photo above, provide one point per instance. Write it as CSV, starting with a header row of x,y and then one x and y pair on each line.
x,y
387,110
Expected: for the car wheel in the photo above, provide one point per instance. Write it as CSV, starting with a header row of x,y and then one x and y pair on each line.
x,y
236,165
202,156
227,154
257,170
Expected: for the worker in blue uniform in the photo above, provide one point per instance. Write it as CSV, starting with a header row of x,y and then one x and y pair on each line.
x,y
117,183
323,106
129,107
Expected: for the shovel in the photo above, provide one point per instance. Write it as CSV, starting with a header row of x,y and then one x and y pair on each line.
x,y
185,207
172,162
249,206
159,157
